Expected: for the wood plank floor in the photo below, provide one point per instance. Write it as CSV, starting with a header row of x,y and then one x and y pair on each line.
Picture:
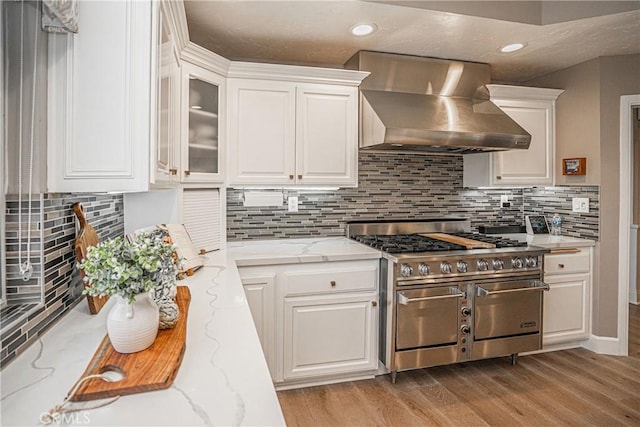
x,y
563,388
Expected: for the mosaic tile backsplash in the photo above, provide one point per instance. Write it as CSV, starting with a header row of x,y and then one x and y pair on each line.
x,y
407,186
53,224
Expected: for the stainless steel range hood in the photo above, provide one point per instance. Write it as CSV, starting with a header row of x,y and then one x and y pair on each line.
x,y
428,104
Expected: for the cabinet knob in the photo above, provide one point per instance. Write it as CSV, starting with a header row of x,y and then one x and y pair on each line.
x,y
187,173
299,176
333,283
173,171
498,177
561,265
290,176
374,303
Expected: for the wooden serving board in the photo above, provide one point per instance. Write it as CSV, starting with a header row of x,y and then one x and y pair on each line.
x,y
152,369
564,251
467,243
86,237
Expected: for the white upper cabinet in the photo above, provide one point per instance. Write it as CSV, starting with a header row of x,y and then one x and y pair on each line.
x,y
292,125
262,132
534,110
165,152
203,104
101,84
327,135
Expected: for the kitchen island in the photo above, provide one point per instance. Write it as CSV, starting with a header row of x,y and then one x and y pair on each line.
x,y
223,378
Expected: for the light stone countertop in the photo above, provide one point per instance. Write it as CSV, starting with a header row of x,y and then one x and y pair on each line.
x,y
548,241
223,378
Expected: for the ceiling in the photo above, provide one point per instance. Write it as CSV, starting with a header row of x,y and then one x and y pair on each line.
x,y
558,34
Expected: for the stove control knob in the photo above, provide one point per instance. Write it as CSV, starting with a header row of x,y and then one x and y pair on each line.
x,y
465,311
532,261
483,265
406,270
517,262
498,264
465,329
462,266
424,269
445,267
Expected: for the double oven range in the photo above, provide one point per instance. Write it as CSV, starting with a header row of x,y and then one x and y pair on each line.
x,y
448,295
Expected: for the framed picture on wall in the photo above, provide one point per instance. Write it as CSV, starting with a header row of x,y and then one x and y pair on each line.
x,y
575,166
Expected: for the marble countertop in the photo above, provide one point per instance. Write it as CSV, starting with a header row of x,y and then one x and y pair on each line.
x,y
549,241
223,378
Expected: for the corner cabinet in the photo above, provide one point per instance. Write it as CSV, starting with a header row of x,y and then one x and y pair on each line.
x,y
292,125
534,110
100,93
566,319
203,105
317,322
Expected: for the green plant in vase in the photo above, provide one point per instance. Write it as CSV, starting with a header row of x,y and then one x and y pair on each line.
x,y
130,270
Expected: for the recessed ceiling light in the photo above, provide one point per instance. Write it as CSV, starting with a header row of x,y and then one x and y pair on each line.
x,y
363,29
513,47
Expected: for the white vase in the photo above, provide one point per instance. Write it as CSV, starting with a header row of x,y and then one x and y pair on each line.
x,y
133,327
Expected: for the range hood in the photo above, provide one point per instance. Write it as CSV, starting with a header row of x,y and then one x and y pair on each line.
x,y
429,104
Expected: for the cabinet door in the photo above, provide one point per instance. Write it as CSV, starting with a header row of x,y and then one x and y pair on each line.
x,y
261,132
99,99
203,100
326,335
534,165
166,154
326,135
259,292
566,308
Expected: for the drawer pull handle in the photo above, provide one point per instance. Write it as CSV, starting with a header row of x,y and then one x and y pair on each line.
x,y
290,176
187,173
333,283
299,176
561,265
374,303
173,171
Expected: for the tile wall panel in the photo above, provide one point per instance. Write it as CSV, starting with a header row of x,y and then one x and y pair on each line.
x,y
56,224
401,186
549,200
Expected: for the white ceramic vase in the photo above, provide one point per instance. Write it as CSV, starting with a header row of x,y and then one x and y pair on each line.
x,y
133,327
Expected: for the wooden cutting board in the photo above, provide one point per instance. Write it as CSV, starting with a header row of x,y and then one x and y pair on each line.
x,y
152,369
467,243
86,237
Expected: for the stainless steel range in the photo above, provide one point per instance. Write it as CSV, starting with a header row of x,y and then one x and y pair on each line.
x,y
448,295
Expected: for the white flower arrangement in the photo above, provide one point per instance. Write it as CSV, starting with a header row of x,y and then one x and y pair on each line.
x,y
128,268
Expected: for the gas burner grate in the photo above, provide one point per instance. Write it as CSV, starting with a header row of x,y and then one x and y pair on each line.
x,y
406,243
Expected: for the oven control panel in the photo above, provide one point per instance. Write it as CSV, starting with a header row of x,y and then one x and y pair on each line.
x,y
497,265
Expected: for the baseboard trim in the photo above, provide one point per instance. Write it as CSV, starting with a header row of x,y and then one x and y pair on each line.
x,y
323,381
603,345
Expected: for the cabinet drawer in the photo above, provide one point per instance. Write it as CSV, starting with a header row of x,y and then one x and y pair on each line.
x,y
330,279
567,263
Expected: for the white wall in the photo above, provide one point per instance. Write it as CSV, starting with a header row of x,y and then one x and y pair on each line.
x,y
150,208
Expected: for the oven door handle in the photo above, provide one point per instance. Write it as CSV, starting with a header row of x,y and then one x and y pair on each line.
x,y
402,298
540,286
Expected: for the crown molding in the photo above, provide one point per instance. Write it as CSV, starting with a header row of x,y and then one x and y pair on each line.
x,y
523,92
204,58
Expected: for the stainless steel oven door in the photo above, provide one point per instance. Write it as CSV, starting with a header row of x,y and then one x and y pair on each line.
x,y
427,317
508,308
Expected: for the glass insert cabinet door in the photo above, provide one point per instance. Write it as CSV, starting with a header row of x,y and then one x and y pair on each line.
x,y
168,103
203,95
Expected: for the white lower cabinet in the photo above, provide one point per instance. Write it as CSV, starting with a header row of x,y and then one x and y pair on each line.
x,y
329,335
317,322
566,305
259,293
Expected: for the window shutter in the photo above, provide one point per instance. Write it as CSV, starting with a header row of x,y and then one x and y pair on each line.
x,y
201,217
